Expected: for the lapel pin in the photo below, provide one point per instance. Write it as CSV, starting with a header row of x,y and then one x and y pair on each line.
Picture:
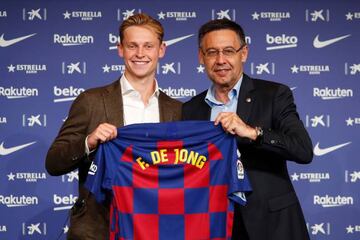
x,y
248,100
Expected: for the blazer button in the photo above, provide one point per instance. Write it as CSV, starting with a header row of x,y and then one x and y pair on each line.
x,y
273,141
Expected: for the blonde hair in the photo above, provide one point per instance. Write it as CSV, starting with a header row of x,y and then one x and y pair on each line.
x,y
144,20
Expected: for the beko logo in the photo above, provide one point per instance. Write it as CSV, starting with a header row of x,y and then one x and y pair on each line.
x,y
66,202
330,201
281,42
67,94
73,40
329,93
14,93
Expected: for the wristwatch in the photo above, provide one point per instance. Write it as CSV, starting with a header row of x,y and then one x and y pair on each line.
x,y
259,133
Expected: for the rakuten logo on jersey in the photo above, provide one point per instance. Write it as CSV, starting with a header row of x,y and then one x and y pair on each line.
x,y
330,201
15,93
73,40
18,201
66,94
329,93
179,92
281,42
64,202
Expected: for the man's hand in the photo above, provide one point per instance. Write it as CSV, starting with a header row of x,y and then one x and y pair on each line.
x,y
233,124
103,133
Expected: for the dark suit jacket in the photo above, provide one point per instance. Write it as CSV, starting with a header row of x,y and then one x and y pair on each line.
x,y
273,210
90,108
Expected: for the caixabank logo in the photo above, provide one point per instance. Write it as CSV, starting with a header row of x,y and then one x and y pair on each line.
x,y
176,15
229,14
34,120
70,177
34,229
321,120
82,15
317,15
319,228
265,68
352,176
71,68
352,69
123,14
169,68
332,93
38,14
27,68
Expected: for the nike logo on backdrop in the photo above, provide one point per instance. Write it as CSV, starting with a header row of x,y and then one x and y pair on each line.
x,y
168,42
322,151
6,43
320,44
175,40
6,151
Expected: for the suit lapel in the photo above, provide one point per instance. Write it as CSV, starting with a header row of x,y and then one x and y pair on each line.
x,y
113,104
245,100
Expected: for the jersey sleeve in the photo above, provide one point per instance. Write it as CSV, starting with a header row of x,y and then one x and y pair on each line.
x,y
239,182
98,180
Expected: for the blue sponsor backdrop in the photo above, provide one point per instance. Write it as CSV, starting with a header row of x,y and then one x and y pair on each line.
x,y
51,51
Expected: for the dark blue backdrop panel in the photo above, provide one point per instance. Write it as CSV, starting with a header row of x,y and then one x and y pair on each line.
x,y
51,51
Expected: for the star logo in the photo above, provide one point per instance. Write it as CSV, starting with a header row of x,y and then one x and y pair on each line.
x,y
349,121
350,229
11,177
66,229
200,69
11,68
161,15
106,68
255,16
294,69
295,177
66,15
349,16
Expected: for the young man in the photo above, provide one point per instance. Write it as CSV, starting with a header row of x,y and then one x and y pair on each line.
x,y
97,113
263,117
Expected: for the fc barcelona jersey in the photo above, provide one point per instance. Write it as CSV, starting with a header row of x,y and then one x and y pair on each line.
x,y
175,180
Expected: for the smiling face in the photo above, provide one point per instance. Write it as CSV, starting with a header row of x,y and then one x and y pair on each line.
x,y
224,71
141,50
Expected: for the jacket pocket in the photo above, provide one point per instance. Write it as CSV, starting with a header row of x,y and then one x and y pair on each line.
x,y
283,201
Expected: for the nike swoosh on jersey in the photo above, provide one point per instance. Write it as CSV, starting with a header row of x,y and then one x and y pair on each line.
x,y
175,40
6,151
320,44
322,151
6,43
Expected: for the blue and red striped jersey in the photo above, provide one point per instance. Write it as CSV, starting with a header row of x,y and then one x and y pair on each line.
x,y
175,180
